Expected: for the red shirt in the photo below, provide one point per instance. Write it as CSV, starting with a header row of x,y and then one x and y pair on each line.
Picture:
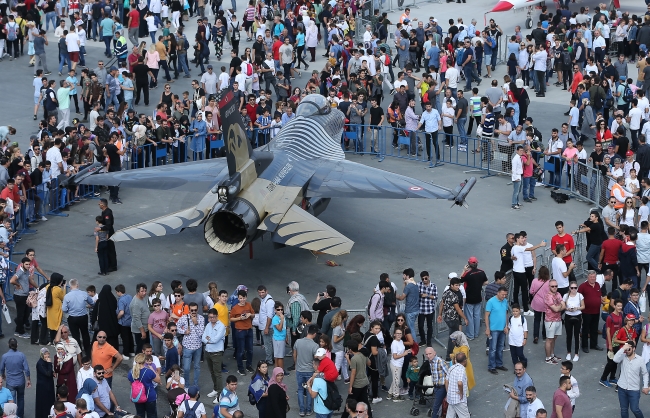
x,y
624,334
329,369
133,59
11,194
135,19
614,323
251,109
592,297
569,245
528,169
276,50
562,399
611,247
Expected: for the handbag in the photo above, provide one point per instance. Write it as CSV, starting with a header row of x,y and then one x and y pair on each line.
x,y
643,300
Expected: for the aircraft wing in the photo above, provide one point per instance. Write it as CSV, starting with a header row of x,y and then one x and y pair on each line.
x,y
335,179
196,176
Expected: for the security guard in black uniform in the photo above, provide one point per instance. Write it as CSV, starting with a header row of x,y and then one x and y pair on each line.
x,y
506,258
107,216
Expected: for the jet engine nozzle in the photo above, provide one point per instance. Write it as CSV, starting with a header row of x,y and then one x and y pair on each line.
x,y
232,227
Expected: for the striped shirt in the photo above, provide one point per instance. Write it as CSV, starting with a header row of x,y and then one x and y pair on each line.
x,y
250,14
475,105
439,371
229,401
427,305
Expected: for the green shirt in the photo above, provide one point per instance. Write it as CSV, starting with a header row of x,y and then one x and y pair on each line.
x,y
358,362
63,96
165,35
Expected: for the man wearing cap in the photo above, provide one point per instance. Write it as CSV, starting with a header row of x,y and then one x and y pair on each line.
x,y
192,404
475,279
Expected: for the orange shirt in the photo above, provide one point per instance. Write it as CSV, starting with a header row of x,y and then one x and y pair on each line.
x,y
103,355
237,310
178,310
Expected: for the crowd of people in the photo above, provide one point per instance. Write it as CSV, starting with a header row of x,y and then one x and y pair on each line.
x,y
167,336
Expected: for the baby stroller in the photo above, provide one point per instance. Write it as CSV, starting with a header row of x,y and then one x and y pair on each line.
x,y
175,397
424,397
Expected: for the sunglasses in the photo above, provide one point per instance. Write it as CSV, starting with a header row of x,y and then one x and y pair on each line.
x,y
400,320
573,288
156,305
194,310
280,310
99,373
553,287
179,296
99,337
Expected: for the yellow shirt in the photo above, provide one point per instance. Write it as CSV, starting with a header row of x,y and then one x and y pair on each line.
x,y
223,316
424,87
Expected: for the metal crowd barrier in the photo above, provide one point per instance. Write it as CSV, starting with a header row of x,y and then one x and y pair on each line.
x,y
7,274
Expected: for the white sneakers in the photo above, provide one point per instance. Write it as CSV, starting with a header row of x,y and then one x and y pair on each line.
x,y
529,313
213,394
568,356
576,357
376,400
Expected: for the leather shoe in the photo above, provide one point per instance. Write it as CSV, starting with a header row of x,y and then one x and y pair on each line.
x,y
505,369
598,348
585,350
493,371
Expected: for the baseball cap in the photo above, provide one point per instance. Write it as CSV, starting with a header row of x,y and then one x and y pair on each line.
x,y
628,282
629,154
630,316
322,352
346,43
193,391
113,68
435,20
472,259
210,67
452,275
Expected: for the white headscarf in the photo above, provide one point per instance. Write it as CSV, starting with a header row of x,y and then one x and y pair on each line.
x,y
312,28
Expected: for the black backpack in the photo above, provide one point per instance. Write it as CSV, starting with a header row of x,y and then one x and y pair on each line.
x,y
566,58
334,400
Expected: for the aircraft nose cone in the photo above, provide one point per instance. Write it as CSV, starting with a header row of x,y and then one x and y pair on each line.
x,y
502,6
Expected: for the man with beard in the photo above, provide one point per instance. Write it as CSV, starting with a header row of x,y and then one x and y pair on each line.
x,y
103,396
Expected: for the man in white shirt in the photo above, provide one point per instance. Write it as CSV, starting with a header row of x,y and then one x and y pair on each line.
x,y
517,173
209,81
539,60
54,156
534,404
58,32
553,152
72,42
370,61
634,117
224,79
451,79
246,66
599,45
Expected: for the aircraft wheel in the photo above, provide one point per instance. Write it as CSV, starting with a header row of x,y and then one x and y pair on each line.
x,y
529,23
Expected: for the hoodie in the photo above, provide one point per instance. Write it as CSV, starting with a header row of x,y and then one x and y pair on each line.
x,y
627,260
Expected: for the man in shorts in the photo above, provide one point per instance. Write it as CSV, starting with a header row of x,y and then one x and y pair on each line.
x,y
553,321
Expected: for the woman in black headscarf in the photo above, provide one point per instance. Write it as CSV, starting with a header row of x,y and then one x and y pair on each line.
x,y
143,9
105,313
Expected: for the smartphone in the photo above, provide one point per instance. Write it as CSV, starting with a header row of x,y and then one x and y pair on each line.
x,y
177,374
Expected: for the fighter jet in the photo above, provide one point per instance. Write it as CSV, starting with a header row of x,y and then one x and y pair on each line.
x,y
278,189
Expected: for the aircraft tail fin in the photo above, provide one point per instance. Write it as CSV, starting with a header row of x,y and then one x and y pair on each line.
x,y
238,148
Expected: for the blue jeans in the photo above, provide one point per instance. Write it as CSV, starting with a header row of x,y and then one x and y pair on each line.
x,y
50,17
189,357
496,349
528,187
592,256
182,60
628,399
440,394
305,401
96,28
473,314
411,321
147,408
112,100
516,188
153,36
324,415
493,60
63,60
82,59
18,393
244,342
107,41
460,124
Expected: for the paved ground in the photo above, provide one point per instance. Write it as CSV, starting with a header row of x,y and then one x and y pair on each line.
x,y
389,236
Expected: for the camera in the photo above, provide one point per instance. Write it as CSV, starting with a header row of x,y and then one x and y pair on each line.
x,y
288,291
321,294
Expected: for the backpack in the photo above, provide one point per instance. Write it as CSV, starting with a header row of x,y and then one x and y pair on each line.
x,y
190,412
138,392
520,316
12,33
627,93
249,69
334,400
598,101
566,58
370,302
251,396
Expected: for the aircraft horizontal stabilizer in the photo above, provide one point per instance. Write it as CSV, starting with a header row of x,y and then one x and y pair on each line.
x,y
300,229
170,224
